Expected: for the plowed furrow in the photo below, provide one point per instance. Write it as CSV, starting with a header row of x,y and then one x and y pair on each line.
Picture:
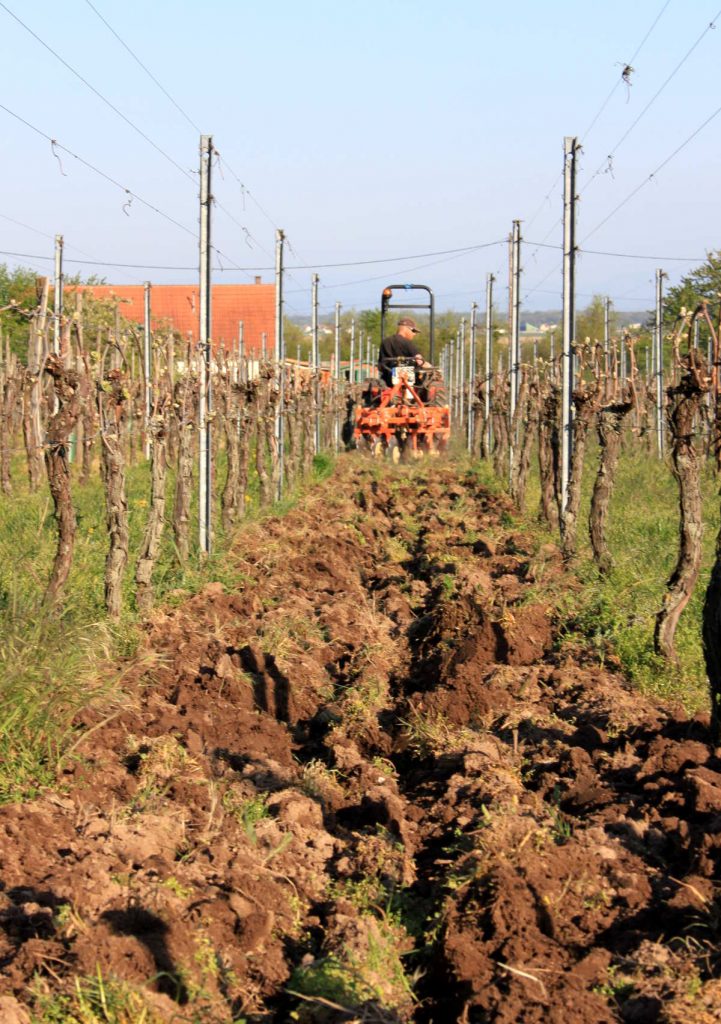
x,y
373,783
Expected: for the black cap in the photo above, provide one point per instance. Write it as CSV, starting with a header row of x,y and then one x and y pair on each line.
x,y
405,321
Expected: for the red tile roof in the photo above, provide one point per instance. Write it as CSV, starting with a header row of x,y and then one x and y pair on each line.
x,y
178,305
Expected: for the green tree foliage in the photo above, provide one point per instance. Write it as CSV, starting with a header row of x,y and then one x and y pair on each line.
x,y
590,321
294,336
370,323
703,282
19,287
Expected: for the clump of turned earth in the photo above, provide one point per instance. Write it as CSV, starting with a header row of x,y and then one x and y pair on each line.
x,y
371,784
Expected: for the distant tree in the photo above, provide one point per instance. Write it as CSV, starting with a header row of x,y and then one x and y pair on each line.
x,y
702,283
295,335
370,323
590,321
91,279
20,287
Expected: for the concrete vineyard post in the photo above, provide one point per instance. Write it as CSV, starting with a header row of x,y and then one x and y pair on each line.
x,y
280,358
58,294
205,490
622,358
461,373
147,368
315,358
452,376
658,363
336,377
570,148
515,343
241,350
472,379
488,369
351,360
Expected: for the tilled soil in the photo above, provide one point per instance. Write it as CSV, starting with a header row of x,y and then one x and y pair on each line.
x,y
376,783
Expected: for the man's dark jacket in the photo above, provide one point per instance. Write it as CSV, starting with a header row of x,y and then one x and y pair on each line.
x,y
391,348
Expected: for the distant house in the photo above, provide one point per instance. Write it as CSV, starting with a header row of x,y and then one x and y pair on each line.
x,y
176,307
324,329
529,332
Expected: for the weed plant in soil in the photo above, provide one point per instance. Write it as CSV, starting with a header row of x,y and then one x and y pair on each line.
x,y
50,659
617,612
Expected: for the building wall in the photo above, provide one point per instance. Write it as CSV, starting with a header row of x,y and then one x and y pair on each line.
x,y
177,306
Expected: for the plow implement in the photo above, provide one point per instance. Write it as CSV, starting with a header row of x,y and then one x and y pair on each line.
x,y
411,417
397,422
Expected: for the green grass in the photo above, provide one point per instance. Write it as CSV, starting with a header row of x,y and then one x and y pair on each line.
x,y
617,613
95,1000
54,663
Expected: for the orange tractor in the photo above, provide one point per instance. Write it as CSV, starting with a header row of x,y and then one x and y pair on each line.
x,y
411,418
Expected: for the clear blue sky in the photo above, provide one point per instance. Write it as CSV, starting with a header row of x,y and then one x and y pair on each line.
x,y
367,130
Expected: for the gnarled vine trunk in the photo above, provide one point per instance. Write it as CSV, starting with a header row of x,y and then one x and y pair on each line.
x,y
150,549
684,400
548,452
185,410
584,400
609,427
112,398
71,390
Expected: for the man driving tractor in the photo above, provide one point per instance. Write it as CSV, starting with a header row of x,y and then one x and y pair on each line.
x,y
406,415
400,345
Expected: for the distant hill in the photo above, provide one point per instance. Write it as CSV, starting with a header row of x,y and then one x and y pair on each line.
x,y
550,316
534,316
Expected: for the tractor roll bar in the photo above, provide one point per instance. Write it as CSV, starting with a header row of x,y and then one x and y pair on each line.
x,y
430,306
